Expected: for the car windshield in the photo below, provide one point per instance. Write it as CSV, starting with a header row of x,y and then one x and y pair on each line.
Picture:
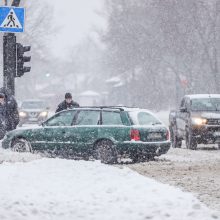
x,y
205,104
143,118
33,105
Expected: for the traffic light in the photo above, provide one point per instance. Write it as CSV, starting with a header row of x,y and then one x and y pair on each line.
x,y
21,59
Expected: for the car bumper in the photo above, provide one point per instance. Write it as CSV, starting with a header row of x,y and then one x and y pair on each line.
x,y
206,134
145,148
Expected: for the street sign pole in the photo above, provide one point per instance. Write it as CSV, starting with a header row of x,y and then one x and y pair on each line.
x,y
15,3
11,21
9,61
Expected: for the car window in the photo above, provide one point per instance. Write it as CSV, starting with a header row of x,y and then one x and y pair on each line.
x,y
143,118
87,117
61,119
111,118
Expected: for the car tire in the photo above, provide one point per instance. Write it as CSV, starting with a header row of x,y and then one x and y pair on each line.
x,y
176,142
190,141
21,145
105,151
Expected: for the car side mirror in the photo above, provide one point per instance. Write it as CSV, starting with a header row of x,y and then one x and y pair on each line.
x,y
43,124
183,109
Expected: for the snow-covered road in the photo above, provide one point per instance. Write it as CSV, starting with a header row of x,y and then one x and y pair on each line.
x,y
43,188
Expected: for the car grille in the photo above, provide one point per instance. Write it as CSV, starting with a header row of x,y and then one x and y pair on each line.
x,y
33,114
213,121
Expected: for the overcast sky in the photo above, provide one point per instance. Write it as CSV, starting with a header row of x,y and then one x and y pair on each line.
x,y
74,20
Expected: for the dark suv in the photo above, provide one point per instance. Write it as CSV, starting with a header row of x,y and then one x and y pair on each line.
x,y
33,112
197,121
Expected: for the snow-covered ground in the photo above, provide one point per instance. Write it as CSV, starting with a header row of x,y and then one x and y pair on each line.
x,y
43,188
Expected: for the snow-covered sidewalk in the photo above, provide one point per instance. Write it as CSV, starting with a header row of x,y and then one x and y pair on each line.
x,y
66,189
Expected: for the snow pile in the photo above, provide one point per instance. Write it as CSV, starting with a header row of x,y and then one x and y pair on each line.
x,y
10,156
65,189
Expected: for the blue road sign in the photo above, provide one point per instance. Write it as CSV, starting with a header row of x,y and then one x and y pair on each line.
x,y
12,19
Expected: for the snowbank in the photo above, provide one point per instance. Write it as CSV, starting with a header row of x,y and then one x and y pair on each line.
x,y
65,189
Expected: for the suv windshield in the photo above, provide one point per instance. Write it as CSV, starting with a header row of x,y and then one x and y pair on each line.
x,y
205,104
33,105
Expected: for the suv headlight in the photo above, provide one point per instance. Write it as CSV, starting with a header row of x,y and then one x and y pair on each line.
x,y
43,114
22,114
199,121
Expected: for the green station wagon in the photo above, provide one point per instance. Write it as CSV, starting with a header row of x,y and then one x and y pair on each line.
x,y
108,134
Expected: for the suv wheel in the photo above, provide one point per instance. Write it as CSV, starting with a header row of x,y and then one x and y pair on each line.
x,y
21,145
105,151
176,142
190,141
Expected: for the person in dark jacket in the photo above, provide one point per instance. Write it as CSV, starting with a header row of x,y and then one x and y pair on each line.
x,y
11,107
68,103
2,115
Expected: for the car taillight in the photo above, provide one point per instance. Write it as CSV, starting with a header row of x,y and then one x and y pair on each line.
x,y
168,135
135,135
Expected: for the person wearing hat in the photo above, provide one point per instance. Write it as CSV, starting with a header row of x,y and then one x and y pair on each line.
x,y
68,103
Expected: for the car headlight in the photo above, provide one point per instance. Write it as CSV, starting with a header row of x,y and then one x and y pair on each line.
x,y
199,121
43,114
22,114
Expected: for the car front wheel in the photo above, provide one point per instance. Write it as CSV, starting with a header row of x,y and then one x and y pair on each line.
x,y
105,151
190,141
176,142
21,145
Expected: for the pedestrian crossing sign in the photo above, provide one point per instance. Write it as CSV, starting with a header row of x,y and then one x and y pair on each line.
x,y
12,19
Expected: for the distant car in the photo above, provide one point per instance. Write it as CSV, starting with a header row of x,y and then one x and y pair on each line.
x,y
33,112
197,121
105,133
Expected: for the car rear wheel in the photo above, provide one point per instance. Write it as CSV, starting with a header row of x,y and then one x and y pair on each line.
x,y
105,151
176,142
21,145
190,141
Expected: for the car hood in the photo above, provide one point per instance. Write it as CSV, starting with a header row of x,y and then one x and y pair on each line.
x,y
208,115
33,110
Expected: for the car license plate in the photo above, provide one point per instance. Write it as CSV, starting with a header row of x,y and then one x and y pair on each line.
x,y
32,119
217,133
154,135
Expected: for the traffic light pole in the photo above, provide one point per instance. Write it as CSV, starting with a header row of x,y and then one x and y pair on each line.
x,y
9,61
9,56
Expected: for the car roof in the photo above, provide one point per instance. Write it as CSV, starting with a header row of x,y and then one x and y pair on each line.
x,y
200,96
111,108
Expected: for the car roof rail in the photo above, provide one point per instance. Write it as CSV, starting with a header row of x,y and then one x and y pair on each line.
x,y
101,107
